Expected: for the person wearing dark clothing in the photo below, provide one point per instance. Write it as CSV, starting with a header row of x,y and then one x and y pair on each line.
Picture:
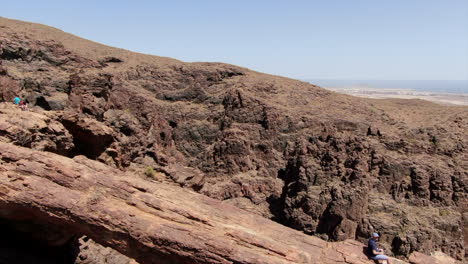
x,y
376,253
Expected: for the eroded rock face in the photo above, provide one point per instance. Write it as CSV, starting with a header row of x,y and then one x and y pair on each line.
x,y
89,252
40,131
56,200
348,196
319,162
154,223
91,138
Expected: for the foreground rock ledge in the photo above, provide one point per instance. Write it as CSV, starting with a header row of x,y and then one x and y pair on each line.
x,y
151,222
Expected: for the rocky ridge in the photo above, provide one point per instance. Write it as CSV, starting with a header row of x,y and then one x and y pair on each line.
x,y
150,221
330,165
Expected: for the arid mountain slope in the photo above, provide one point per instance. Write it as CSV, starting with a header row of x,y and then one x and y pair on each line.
x,y
48,202
330,165
152,222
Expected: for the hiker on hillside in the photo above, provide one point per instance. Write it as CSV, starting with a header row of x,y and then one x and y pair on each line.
x,y
376,253
16,100
23,105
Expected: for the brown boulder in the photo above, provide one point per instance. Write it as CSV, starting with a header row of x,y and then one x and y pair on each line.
x,y
9,88
40,131
437,258
91,138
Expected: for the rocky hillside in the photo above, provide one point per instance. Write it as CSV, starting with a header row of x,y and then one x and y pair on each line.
x,y
329,165
47,200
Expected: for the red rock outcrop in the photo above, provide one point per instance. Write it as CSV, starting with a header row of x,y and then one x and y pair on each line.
x,y
41,131
330,165
61,198
154,223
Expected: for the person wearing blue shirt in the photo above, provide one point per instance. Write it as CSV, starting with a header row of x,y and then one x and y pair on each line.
x,y
17,100
375,252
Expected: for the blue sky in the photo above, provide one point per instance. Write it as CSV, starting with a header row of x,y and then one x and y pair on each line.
x,y
333,39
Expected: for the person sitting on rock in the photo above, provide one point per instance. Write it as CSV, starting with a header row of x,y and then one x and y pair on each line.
x,y
23,105
376,253
16,100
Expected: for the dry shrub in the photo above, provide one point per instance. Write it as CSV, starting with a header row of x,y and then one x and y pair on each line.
x,y
152,174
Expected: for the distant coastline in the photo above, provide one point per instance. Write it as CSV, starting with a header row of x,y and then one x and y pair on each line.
x,y
451,92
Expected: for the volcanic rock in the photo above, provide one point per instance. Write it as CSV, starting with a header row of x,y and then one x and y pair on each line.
x,y
330,165
56,198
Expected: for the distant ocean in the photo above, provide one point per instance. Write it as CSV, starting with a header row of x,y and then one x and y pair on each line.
x,y
438,86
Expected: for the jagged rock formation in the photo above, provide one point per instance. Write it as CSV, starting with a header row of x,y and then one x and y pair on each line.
x,y
330,165
153,223
60,198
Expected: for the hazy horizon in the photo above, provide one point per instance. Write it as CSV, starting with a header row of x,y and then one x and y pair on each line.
x,y
437,86
362,39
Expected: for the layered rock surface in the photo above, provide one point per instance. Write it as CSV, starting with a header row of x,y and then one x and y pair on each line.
x,y
327,164
62,198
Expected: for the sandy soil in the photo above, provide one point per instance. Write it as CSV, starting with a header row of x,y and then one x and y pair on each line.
x,y
440,98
